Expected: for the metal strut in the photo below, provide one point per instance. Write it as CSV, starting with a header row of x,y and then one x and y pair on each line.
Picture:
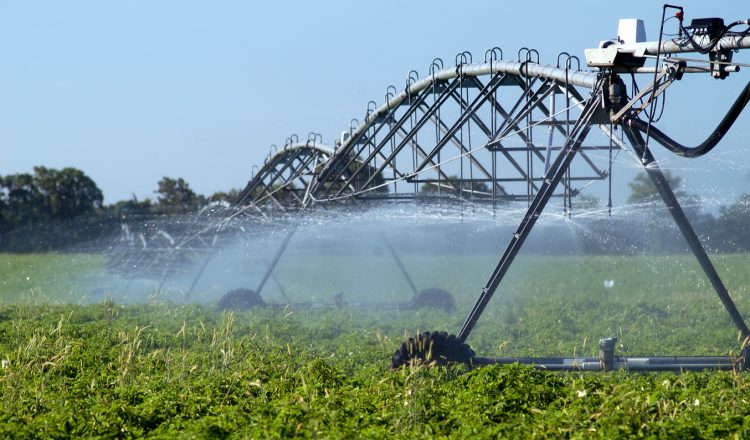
x,y
400,264
276,258
556,172
280,287
198,276
666,193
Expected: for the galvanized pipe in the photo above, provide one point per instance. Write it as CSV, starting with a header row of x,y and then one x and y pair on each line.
x,y
629,363
576,78
681,45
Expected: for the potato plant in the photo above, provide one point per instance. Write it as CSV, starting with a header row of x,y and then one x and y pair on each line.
x,y
171,370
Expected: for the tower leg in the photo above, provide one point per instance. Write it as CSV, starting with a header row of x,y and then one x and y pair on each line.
x,y
555,173
276,259
666,193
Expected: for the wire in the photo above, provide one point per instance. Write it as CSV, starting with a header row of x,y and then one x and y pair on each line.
x,y
636,90
663,104
714,41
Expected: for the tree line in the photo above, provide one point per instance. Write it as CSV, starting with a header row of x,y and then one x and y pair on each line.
x,y
51,209
653,229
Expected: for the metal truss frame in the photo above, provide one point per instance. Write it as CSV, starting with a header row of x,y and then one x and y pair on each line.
x,y
492,132
481,132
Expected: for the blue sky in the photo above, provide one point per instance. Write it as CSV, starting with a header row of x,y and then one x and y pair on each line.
x,y
133,91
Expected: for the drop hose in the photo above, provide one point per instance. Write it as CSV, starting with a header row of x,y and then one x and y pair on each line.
x,y
712,139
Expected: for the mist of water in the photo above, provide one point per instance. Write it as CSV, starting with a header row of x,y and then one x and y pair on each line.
x,y
347,251
589,259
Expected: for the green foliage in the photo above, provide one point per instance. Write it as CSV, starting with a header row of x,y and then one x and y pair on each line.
x,y
47,195
68,193
22,201
225,196
586,201
189,371
133,207
643,190
732,224
727,231
60,209
176,197
34,209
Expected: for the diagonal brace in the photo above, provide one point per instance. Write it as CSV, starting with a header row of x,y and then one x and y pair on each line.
x,y
556,172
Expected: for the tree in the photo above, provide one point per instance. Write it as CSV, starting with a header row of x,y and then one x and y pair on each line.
x,y
49,209
176,197
643,190
586,201
133,207
733,224
48,194
23,203
225,196
68,193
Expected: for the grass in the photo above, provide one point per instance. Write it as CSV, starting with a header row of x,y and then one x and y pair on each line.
x,y
164,369
48,277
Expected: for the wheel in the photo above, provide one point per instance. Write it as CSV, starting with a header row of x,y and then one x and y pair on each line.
x,y
438,348
434,297
240,299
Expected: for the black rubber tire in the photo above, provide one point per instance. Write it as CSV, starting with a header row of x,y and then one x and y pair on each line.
x,y
433,348
434,297
240,299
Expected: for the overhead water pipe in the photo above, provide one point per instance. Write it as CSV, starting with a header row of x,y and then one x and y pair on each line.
x,y
712,139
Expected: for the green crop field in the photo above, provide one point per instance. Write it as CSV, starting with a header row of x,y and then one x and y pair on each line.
x,y
74,365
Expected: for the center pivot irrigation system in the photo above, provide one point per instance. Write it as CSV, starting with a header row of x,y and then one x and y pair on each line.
x,y
512,130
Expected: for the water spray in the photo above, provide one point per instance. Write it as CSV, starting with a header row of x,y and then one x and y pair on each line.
x,y
431,297
610,96
410,138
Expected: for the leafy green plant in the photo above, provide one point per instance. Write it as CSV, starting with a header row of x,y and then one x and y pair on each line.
x,y
172,370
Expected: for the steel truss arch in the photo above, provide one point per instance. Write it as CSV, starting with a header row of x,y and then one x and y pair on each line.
x,y
484,132
285,177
